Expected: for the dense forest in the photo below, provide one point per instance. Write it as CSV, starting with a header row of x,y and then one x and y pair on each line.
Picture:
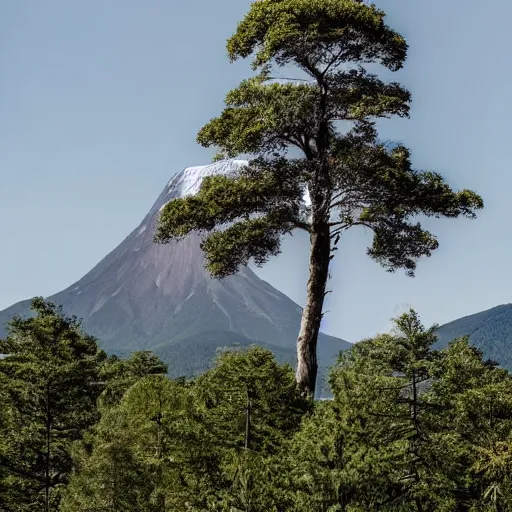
x,y
409,428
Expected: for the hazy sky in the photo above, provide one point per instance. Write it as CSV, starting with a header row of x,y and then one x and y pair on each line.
x,y
100,102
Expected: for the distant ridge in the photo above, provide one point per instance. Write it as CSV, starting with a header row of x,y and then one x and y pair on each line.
x,y
490,331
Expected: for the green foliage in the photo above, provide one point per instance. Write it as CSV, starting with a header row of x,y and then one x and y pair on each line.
x,y
285,31
410,428
264,196
120,374
320,479
50,383
351,174
251,379
110,478
177,446
380,386
251,408
124,463
476,397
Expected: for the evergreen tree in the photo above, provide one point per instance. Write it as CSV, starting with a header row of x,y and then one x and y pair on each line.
x,y
252,409
381,384
120,374
127,462
108,476
473,398
410,428
319,463
6,446
291,130
251,400
374,446
50,379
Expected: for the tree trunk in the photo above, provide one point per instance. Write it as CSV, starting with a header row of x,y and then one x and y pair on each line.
x,y
319,257
247,424
48,429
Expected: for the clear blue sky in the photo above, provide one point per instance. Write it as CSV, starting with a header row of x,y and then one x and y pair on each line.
x,y
100,102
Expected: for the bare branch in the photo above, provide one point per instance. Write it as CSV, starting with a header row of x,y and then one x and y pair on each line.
x,y
342,226
302,225
337,231
333,61
346,202
343,193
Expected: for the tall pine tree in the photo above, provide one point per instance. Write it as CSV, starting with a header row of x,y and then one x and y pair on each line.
x,y
50,379
313,133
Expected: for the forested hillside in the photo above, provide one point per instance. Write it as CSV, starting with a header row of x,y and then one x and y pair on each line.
x,y
410,428
490,331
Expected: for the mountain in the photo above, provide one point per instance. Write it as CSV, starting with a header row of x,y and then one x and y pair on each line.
x,y
490,331
144,296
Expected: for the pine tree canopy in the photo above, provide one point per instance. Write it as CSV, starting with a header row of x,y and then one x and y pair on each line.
x,y
50,383
315,161
293,131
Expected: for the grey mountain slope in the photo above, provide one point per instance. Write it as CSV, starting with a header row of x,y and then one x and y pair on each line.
x,y
160,297
490,331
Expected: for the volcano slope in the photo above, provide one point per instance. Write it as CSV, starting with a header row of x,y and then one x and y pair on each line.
x,y
145,296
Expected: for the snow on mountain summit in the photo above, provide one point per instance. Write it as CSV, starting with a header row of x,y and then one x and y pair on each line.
x,y
188,182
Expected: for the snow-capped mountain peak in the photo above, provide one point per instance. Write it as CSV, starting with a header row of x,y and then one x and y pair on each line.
x,y
188,182
147,296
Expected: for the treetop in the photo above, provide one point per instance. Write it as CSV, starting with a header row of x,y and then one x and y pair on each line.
x,y
317,35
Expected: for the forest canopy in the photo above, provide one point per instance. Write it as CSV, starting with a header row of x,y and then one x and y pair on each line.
x,y
409,428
